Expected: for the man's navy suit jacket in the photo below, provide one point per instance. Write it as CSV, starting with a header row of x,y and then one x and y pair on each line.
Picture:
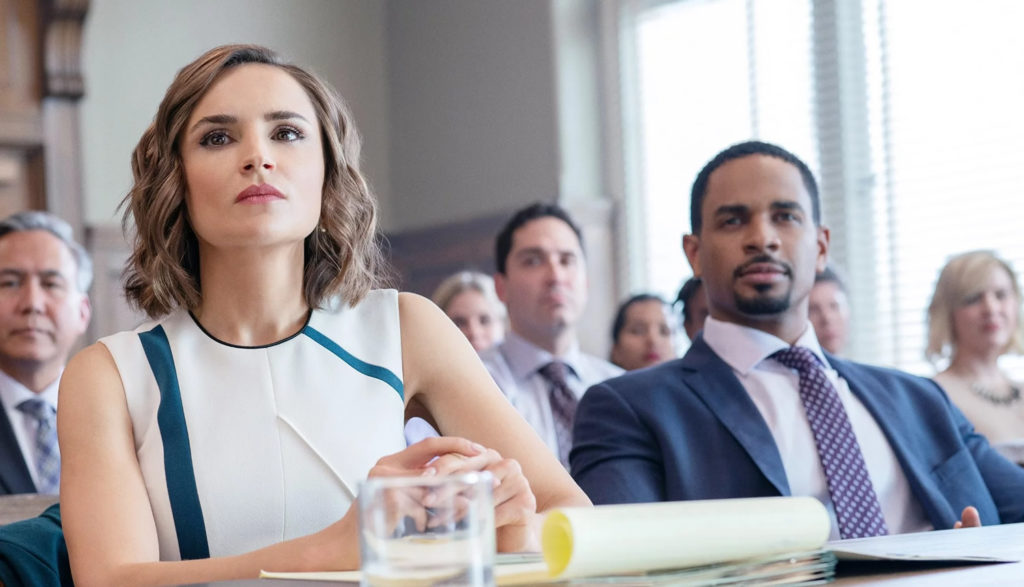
x,y
14,473
687,429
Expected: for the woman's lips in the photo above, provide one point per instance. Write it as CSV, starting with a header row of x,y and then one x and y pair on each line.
x,y
258,194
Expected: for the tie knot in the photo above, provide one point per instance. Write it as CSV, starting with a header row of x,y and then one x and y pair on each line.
x,y
37,408
555,372
797,357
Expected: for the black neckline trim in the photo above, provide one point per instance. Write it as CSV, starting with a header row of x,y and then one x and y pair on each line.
x,y
309,315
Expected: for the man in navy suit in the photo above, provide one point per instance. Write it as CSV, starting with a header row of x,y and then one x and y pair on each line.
x,y
44,309
731,419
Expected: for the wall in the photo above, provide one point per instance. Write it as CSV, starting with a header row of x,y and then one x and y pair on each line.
x,y
133,48
473,108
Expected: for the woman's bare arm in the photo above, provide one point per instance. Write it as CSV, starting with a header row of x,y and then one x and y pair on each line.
x,y
444,373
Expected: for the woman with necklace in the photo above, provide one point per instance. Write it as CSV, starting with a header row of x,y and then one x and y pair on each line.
x,y
974,318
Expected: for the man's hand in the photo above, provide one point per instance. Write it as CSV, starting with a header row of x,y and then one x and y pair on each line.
x,y
969,518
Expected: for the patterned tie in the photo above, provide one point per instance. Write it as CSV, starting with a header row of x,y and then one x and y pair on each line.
x,y
857,509
47,455
563,406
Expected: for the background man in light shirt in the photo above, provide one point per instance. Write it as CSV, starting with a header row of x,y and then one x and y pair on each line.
x,y
830,311
542,279
731,418
44,309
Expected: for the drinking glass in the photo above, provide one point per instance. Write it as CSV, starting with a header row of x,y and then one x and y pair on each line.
x,y
427,530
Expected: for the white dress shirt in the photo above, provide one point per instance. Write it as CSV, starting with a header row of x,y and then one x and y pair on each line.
x,y
513,364
774,388
12,393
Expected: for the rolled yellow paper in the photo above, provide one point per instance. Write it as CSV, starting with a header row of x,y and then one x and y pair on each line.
x,y
618,539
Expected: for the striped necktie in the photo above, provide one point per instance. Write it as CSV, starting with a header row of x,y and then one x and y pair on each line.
x,y
563,406
47,454
858,511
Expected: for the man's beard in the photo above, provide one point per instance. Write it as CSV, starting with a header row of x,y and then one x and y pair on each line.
x,y
763,306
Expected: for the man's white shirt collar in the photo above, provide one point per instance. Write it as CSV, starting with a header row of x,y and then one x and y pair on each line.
x,y
743,348
12,392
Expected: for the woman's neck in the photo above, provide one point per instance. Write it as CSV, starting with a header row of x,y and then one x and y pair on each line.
x,y
975,367
252,297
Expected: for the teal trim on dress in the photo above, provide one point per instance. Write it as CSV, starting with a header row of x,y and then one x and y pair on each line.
x,y
181,478
375,371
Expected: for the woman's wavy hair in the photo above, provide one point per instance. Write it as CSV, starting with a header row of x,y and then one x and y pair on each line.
x,y
343,256
964,276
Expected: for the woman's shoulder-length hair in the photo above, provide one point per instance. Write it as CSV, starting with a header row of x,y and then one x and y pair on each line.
x,y
343,256
962,277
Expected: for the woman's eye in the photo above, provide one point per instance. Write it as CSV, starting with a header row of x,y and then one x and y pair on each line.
x,y
216,138
287,134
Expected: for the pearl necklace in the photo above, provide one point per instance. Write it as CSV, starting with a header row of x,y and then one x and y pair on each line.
x,y
999,400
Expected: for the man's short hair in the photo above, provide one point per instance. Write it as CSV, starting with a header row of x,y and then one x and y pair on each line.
x,y
686,293
37,220
738,151
831,275
503,243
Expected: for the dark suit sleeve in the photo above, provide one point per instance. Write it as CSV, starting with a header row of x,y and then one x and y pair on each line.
x,y
1004,479
615,458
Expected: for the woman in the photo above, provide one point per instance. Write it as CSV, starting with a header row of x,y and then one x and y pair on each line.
x,y
469,300
974,318
643,333
235,431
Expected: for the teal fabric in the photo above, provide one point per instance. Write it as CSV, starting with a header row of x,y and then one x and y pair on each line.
x,y
181,479
33,553
375,371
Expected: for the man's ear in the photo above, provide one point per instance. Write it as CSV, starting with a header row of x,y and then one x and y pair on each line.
x,y
824,240
691,246
84,312
499,286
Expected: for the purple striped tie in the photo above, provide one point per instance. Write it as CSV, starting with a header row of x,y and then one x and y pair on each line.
x,y
857,509
563,406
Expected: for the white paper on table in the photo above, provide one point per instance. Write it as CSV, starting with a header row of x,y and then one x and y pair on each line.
x,y
989,544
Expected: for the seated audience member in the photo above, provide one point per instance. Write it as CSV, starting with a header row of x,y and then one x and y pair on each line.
x,y
469,300
44,309
694,303
643,333
231,434
829,310
542,279
973,319
756,409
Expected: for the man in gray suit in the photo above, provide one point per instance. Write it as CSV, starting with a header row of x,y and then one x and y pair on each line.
x,y
44,309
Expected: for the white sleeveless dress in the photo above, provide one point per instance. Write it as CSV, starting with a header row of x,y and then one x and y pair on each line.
x,y
244,447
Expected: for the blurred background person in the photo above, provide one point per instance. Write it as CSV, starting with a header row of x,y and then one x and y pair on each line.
x,y
643,333
973,319
469,300
693,304
829,310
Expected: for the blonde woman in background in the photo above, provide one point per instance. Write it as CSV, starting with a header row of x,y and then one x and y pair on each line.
x,y
469,300
973,319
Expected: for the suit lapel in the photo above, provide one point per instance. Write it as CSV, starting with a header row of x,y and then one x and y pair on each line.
x,y
14,474
713,381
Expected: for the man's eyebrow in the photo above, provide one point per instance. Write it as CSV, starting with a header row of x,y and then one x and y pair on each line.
x,y
787,205
732,209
